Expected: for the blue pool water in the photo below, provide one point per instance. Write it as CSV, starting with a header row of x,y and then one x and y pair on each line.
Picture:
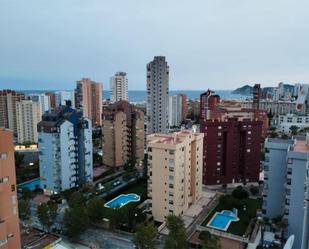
x,y
122,200
32,185
222,220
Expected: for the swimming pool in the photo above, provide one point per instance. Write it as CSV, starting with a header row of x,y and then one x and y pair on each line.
x,y
31,185
222,220
122,200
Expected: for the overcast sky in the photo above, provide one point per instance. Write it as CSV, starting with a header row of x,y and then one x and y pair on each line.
x,y
219,44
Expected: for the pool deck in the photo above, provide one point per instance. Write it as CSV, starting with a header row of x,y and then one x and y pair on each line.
x,y
228,223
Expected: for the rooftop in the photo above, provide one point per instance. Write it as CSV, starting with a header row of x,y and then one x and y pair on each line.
x,y
175,138
300,146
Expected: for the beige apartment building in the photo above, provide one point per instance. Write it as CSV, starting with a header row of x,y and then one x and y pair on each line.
x,y
9,222
8,100
175,172
123,135
28,115
89,99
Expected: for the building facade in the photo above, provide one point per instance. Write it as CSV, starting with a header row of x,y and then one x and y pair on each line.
x,y
52,99
62,97
231,150
119,87
8,100
284,122
123,134
9,221
175,111
175,172
277,107
65,150
89,99
43,100
157,95
28,115
286,184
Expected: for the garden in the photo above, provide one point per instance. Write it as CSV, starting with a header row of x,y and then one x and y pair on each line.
x,y
246,207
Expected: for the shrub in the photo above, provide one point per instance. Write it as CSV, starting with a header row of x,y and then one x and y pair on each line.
x,y
240,193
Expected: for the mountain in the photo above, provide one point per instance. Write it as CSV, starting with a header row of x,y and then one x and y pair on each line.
x,y
248,90
244,90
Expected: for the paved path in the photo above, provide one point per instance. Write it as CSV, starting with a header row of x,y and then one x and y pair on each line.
x,y
254,244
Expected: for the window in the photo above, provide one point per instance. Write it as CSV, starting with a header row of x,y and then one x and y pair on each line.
x,y
13,188
3,155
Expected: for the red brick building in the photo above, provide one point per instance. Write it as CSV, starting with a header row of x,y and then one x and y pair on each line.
x,y
232,141
231,150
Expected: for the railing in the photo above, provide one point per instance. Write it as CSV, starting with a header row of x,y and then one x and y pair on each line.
x,y
223,234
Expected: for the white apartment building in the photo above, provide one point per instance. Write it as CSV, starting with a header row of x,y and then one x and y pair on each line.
x,y
65,150
43,100
119,87
277,107
157,95
175,172
284,122
28,115
62,96
175,110
286,186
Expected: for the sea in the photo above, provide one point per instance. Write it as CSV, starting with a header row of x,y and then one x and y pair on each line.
x,y
140,95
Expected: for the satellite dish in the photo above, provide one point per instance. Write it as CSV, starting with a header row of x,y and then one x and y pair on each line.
x,y
290,242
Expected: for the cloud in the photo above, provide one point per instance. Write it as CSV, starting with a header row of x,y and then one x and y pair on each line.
x,y
51,44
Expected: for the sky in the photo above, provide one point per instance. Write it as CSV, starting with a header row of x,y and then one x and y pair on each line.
x,y
218,44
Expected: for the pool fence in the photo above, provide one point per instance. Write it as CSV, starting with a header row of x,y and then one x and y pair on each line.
x,y
223,234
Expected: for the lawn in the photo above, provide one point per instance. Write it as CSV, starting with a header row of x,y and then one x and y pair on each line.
x,y
228,203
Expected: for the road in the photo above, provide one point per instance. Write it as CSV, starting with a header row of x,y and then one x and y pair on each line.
x,y
107,239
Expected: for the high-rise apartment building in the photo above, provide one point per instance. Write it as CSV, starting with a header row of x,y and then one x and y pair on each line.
x,y
119,87
43,99
63,97
175,172
286,184
65,150
9,222
231,150
183,106
157,95
231,142
123,134
8,99
52,98
89,99
177,109
28,115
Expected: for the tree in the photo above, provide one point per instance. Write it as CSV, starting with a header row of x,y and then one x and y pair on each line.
x,y
176,239
95,210
76,217
27,194
130,164
294,129
145,236
254,190
240,193
209,241
18,159
75,221
47,213
24,209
